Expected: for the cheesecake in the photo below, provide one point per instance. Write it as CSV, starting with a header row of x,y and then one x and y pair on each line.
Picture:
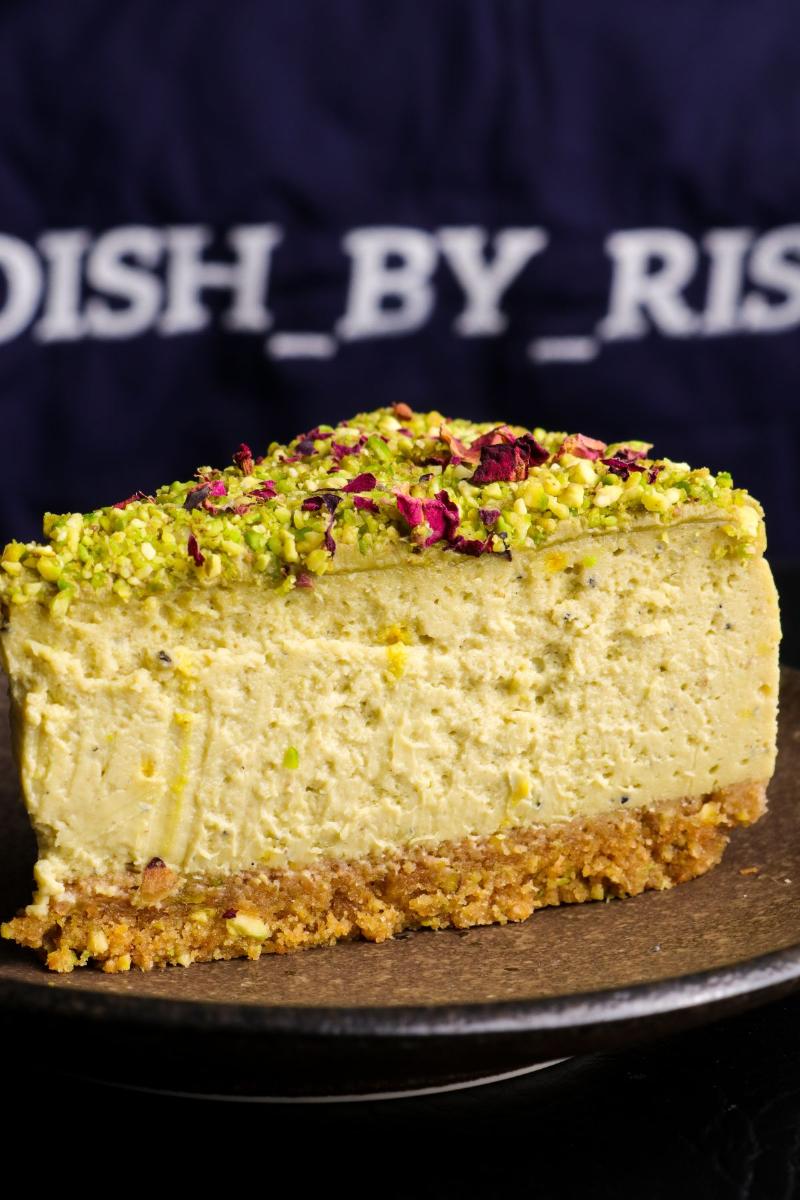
x,y
403,672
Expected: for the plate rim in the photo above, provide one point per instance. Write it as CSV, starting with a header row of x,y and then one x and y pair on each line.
x,y
579,1011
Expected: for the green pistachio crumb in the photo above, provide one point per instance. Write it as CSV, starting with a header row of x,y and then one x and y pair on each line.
x,y
300,511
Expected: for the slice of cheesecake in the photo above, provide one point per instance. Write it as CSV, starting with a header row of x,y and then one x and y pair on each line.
x,y
401,672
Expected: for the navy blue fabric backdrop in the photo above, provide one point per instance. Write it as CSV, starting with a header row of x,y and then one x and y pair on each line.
x,y
578,214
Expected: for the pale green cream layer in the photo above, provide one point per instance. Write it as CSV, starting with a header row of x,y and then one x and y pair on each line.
x,y
432,699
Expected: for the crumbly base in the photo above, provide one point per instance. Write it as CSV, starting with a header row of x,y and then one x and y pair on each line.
x,y
152,918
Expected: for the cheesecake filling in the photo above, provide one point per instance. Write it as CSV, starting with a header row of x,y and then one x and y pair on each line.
x,y
394,708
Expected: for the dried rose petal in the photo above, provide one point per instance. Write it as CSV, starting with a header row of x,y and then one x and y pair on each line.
x,y
581,447
500,463
339,451
195,551
473,546
537,454
495,437
196,496
362,483
440,514
506,462
621,466
305,444
411,510
132,500
265,492
629,454
443,517
303,580
365,502
489,516
327,500
226,509
243,458
654,472
459,452
229,914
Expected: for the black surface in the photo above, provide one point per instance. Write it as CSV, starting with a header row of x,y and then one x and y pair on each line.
x,y
714,1113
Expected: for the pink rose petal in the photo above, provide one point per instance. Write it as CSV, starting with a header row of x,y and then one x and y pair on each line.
x,y
472,546
440,514
507,462
305,445
329,502
133,499
489,516
581,447
339,451
362,483
265,492
365,502
243,458
195,551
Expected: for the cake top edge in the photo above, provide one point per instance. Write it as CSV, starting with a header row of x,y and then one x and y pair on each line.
x,y
370,484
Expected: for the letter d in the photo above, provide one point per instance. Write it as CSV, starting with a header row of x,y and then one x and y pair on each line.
x,y
21,272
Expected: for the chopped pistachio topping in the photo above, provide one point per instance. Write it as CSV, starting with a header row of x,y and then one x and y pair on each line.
x,y
249,926
347,495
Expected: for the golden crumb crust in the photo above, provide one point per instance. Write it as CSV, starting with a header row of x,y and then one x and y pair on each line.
x,y
156,917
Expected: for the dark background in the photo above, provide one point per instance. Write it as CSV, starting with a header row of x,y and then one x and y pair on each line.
x,y
579,117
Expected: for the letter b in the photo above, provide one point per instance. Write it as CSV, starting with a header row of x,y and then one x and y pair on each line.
x,y
377,279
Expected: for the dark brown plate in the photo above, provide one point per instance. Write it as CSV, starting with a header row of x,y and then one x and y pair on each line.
x,y
429,1008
